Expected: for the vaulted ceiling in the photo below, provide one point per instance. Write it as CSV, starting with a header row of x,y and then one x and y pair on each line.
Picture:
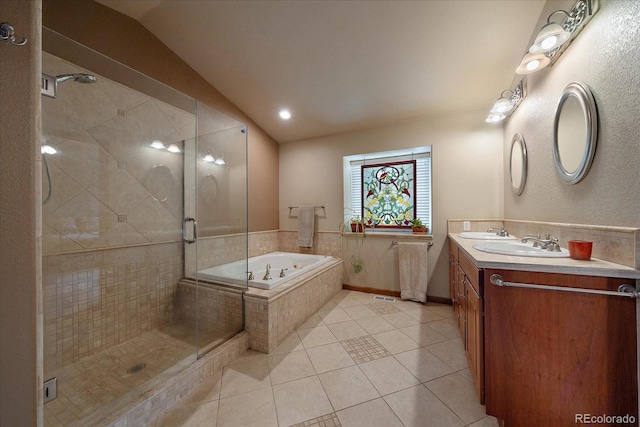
x,y
342,66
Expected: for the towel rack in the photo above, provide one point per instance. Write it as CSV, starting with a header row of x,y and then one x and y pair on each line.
x,y
395,242
623,290
296,207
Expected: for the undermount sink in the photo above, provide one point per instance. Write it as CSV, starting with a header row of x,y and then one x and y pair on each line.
x,y
519,249
484,235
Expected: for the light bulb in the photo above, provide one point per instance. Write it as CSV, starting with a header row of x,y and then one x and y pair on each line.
x,y
549,42
158,145
493,118
219,161
285,114
532,65
209,158
47,149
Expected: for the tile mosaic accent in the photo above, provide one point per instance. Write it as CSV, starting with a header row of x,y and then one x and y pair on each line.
x,y
382,308
364,349
329,420
324,243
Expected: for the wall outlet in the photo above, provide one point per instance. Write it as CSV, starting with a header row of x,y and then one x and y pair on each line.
x,y
466,225
50,389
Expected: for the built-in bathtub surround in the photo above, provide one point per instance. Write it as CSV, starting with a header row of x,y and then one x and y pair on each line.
x,y
620,245
271,315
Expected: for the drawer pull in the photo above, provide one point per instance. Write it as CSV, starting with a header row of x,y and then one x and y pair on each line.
x,y
623,290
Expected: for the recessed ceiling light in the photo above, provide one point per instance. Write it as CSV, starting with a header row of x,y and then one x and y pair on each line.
x,y
285,114
173,148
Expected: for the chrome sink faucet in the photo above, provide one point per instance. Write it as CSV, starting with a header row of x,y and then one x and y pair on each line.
x,y
548,243
500,231
267,276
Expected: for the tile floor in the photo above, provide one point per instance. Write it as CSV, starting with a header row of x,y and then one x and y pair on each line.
x,y
356,362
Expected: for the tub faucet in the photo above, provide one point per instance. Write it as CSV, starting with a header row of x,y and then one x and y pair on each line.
x,y
250,275
282,272
267,276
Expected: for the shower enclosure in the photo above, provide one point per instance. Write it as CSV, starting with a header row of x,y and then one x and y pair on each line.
x,y
142,187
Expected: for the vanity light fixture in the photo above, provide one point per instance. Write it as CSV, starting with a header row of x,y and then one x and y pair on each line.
x,y
173,148
47,149
507,103
158,145
553,38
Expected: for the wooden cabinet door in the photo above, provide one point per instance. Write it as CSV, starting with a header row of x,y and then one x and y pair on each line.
x,y
475,340
552,355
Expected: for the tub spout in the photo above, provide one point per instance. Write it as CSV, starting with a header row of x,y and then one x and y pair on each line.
x,y
267,276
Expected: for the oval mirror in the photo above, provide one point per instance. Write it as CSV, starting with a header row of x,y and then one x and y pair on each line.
x,y
575,133
518,164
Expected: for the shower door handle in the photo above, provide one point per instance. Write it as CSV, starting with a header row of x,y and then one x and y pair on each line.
x,y
184,230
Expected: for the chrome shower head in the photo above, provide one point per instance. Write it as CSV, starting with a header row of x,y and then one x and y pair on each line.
x,y
77,77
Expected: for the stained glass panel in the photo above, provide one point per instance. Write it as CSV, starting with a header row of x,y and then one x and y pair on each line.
x,y
388,194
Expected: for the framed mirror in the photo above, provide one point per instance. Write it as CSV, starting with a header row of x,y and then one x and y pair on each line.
x,y
575,133
518,164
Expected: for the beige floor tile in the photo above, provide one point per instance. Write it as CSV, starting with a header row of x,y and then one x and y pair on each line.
x,y
450,352
423,334
487,421
314,337
256,408
335,315
459,394
366,298
388,375
422,314
329,306
406,305
289,366
349,301
375,325
291,343
244,377
375,413
400,319
312,322
359,311
424,365
418,407
300,400
395,341
347,387
444,310
446,327
190,416
329,357
347,330
249,355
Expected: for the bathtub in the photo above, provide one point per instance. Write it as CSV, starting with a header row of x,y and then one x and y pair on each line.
x,y
236,272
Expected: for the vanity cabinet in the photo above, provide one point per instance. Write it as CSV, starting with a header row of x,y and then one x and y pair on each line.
x,y
465,282
552,356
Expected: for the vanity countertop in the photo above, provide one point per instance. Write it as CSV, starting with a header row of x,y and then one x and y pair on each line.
x,y
594,267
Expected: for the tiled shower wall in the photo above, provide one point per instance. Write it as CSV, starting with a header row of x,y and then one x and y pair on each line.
x,y
98,299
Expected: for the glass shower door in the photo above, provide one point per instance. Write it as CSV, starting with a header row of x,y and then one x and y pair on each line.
x,y
216,196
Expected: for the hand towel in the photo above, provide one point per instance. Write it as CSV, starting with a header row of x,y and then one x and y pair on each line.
x,y
306,223
413,271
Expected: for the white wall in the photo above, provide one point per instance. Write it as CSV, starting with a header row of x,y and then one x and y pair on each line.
x,y
467,175
605,57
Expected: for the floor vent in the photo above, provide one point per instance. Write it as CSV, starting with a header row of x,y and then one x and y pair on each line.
x,y
387,299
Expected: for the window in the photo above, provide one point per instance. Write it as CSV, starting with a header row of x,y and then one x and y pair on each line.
x,y
403,176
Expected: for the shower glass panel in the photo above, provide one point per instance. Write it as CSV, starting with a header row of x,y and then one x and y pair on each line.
x,y
220,206
120,172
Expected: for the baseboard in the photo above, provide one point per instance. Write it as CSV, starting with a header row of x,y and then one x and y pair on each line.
x,y
392,293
